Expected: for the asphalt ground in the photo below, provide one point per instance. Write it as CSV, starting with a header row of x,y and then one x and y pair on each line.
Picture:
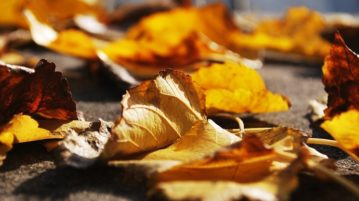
x,y
29,172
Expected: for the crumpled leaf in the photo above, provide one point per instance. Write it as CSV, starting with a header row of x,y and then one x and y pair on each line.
x,y
341,80
42,92
84,142
243,171
232,87
156,113
22,128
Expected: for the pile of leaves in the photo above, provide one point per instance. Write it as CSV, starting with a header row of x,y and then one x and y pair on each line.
x,y
165,130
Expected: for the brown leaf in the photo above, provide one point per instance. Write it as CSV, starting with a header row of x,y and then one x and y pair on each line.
x,y
42,92
156,113
341,78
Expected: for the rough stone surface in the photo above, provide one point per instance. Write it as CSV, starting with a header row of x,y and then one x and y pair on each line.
x,y
29,172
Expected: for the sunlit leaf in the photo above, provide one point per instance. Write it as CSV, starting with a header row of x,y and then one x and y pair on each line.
x,y
42,92
202,139
344,128
71,41
243,171
156,113
232,87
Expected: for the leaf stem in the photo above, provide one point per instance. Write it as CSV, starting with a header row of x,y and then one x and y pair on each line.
x,y
321,141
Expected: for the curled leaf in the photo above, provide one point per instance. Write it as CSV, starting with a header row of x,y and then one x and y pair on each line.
x,y
42,92
202,139
243,171
156,113
232,87
84,142
341,80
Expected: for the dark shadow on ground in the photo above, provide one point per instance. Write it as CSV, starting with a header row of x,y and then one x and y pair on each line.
x,y
60,183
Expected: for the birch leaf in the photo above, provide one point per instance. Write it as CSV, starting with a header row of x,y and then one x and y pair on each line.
x,y
156,113
232,87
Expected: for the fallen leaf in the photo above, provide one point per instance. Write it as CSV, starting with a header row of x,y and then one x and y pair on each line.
x,y
22,128
232,87
70,41
344,128
156,113
84,142
202,139
41,91
189,39
242,171
341,80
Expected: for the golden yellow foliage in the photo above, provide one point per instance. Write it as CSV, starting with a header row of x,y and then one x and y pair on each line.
x,y
233,87
344,128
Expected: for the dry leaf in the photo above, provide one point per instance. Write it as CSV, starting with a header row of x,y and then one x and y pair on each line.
x,y
232,87
71,41
42,92
189,39
156,113
84,142
240,172
341,80
202,139
344,127
21,128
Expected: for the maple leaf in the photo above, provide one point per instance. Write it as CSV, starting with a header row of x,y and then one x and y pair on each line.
x,y
245,92
341,80
156,113
41,91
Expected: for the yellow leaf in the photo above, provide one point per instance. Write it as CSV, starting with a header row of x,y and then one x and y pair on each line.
x,y
156,113
11,13
202,139
72,42
238,172
344,128
232,87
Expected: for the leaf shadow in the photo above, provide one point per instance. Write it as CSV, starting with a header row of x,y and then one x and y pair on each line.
x,y
61,183
314,189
